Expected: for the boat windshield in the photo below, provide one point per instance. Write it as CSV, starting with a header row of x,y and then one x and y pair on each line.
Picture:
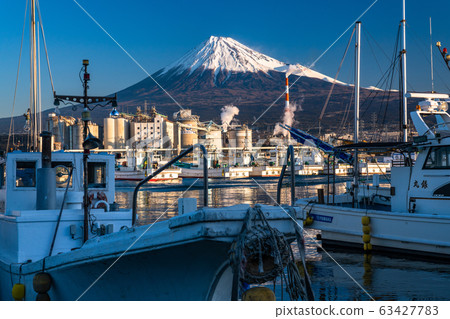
x,y
62,170
96,175
26,174
438,158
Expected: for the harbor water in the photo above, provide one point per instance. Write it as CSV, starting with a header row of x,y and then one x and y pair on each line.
x,y
341,275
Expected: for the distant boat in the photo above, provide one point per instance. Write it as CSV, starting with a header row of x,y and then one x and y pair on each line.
x,y
224,172
138,175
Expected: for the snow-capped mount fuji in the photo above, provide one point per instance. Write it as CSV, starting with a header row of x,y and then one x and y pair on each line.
x,y
226,55
223,54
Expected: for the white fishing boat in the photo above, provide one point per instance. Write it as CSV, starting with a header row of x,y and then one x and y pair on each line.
x,y
54,245
229,172
343,169
412,214
265,171
128,174
307,169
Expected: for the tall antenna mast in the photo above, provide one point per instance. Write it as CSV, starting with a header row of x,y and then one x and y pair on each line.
x,y
404,89
39,92
357,89
431,56
33,66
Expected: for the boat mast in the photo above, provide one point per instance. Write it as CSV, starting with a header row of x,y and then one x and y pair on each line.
x,y
357,89
431,58
33,66
404,89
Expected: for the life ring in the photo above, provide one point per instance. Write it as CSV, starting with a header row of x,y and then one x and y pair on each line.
x,y
101,202
102,196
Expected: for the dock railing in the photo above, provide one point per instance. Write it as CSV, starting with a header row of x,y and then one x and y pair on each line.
x,y
290,155
166,166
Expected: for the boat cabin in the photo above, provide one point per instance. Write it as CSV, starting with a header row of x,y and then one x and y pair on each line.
x,y
26,231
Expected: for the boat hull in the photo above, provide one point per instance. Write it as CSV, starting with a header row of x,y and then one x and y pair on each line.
x,y
167,175
154,274
421,234
266,171
225,173
184,258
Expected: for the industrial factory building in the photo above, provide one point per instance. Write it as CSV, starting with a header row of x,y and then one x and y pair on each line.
x,y
130,134
138,130
68,132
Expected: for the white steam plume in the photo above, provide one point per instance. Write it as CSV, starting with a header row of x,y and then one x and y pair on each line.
x,y
228,112
288,118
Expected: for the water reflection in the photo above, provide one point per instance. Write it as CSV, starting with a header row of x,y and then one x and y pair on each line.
x,y
156,198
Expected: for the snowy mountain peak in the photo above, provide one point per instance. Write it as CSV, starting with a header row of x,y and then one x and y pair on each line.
x,y
224,54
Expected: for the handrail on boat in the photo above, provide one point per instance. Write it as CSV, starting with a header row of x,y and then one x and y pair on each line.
x,y
170,163
290,154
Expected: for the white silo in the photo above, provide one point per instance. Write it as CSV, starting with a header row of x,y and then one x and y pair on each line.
x,y
108,133
121,133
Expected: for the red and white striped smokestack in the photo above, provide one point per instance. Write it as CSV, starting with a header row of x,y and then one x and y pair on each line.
x,y
287,93
286,105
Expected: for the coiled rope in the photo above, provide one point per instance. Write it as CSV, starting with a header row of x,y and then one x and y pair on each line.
x,y
261,253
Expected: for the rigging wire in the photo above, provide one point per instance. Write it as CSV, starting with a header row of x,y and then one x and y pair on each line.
x,y
417,40
39,101
347,110
395,64
17,80
128,54
45,45
372,50
302,73
335,78
386,78
376,42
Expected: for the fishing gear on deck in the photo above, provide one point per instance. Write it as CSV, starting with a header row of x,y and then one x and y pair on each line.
x,y
261,254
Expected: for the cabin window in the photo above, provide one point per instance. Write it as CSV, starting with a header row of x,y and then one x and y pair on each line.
x,y
26,174
96,175
438,158
62,173
442,191
2,175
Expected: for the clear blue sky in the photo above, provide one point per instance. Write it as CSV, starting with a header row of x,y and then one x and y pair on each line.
x,y
158,32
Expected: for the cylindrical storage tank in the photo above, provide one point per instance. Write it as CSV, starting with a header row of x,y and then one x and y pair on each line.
x,y
93,128
232,138
216,138
78,136
240,138
248,138
108,133
189,134
53,121
120,133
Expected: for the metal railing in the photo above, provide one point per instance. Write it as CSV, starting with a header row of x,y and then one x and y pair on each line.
x,y
170,163
290,155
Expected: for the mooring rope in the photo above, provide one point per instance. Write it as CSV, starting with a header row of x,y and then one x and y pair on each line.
x,y
261,253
